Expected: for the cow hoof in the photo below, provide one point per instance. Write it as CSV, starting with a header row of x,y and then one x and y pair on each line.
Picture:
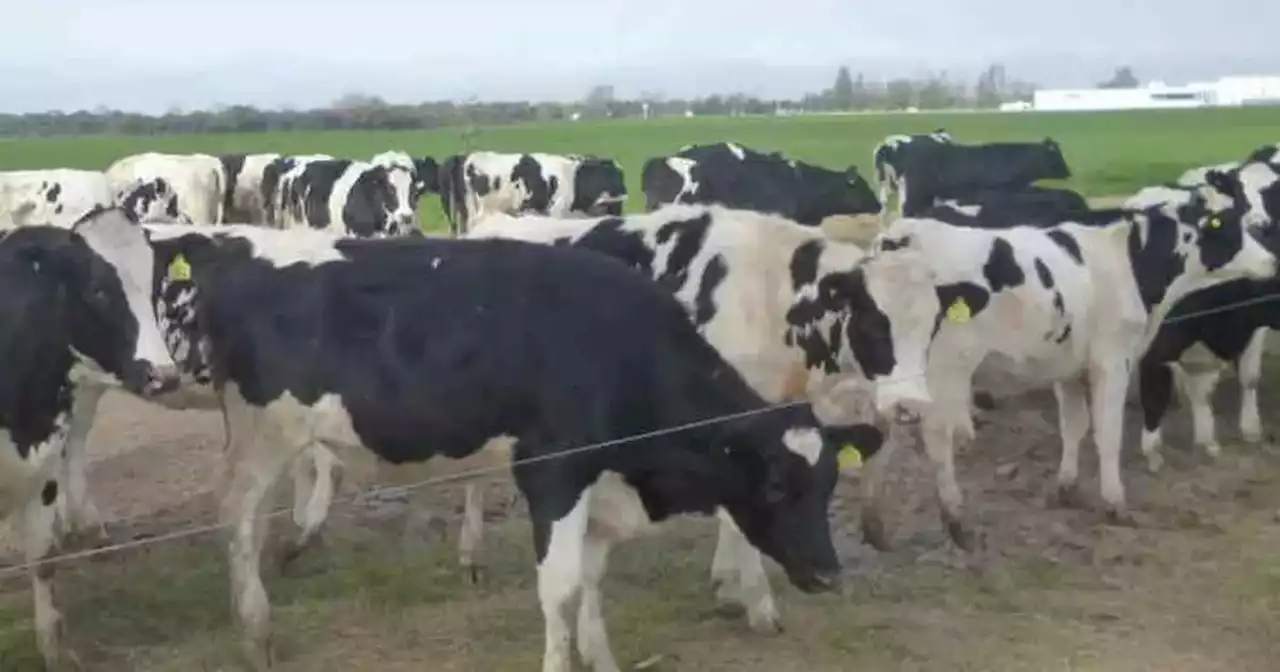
x,y
960,534
1067,496
257,655
873,532
473,573
984,401
1119,516
1155,462
766,624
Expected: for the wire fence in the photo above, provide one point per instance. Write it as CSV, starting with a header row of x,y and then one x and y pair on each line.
x,y
18,568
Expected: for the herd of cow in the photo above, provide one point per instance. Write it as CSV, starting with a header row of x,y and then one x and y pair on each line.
x,y
758,361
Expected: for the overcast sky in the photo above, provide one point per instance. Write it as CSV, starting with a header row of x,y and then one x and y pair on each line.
x,y
151,55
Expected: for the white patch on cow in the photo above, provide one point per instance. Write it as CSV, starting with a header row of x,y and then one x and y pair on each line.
x,y
56,197
805,442
737,150
684,168
1255,178
282,247
122,245
401,173
21,479
197,179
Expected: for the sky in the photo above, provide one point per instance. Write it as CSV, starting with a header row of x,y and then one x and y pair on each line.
x,y
150,56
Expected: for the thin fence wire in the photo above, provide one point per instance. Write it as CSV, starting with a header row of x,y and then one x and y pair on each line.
x,y
17,568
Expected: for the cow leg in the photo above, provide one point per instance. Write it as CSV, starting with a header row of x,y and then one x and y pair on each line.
x,y
256,460
472,531
593,639
872,477
560,574
1249,373
737,571
39,539
82,524
1073,424
1198,387
1155,385
317,475
1108,385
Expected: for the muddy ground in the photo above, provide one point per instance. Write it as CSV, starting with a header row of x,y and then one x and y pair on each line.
x,y
1195,586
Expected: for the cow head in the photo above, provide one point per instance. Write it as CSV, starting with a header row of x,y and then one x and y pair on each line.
x,y
426,174
824,192
599,189
379,203
1255,189
1051,164
874,314
791,467
151,200
106,267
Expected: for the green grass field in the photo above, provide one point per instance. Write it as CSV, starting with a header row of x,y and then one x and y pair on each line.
x,y
1110,153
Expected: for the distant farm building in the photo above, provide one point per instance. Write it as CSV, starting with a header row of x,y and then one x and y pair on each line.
x,y
1225,92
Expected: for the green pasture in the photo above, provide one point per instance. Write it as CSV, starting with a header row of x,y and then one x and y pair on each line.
x,y
1110,153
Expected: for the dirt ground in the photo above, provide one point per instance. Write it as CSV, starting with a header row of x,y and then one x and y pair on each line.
x,y
1194,587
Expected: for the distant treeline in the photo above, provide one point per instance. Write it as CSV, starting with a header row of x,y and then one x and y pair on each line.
x,y
363,112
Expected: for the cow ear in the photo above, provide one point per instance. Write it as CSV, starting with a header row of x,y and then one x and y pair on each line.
x,y
854,444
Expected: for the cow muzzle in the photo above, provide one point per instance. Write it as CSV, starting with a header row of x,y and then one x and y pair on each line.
x,y
903,400
161,379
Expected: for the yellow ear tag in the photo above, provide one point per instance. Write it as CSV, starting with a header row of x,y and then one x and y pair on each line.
x,y
959,311
849,457
179,269
1214,223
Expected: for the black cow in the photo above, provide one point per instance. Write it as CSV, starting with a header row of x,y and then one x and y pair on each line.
x,y
888,162
738,177
998,209
475,184
68,298
932,171
413,348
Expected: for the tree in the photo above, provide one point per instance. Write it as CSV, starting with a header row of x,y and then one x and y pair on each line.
x,y
1122,79
842,90
990,91
598,99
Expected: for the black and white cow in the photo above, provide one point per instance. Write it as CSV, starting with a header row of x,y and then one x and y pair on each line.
x,y
798,314
76,305
887,161
243,197
931,171
272,176
1075,305
473,185
422,347
61,196
423,173
998,208
197,179
1208,329
354,198
1255,186
738,177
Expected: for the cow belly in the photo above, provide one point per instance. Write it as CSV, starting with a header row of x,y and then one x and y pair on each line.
x,y
615,510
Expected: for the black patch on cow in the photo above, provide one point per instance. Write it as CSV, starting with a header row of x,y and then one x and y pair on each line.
x,y
369,202
1067,242
609,237
1155,264
562,241
232,165
975,296
1002,270
1058,304
689,234
54,191
1066,333
1219,245
804,263
49,493
595,177
704,307
1042,270
57,209
538,189
891,244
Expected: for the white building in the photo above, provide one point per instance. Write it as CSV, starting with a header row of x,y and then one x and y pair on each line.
x,y
1225,92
